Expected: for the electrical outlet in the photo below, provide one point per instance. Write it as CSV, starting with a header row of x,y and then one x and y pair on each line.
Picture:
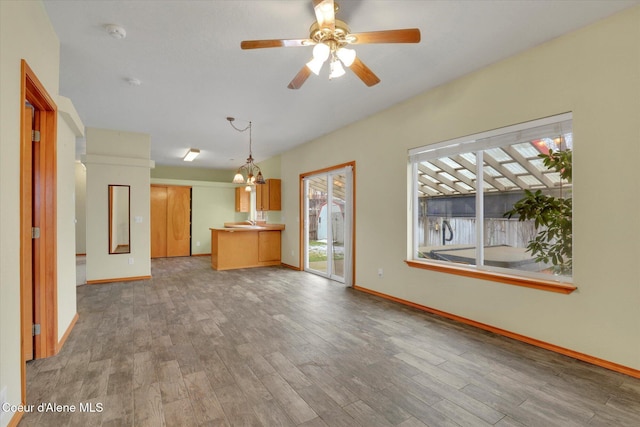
x,y
130,260
197,243
380,273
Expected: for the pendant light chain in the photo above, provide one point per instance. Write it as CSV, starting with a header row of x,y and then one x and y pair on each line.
x,y
249,167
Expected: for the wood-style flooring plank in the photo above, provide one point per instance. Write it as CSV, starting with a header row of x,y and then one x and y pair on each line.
x,y
276,347
296,408
147,403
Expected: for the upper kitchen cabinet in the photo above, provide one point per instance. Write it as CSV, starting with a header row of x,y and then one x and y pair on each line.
x,y
243,200
268,196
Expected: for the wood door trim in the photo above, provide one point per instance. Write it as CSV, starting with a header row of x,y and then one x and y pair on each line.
x,y
301,196
26,253
45,294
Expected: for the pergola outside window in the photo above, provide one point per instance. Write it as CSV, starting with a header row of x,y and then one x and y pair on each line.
x,y
463,188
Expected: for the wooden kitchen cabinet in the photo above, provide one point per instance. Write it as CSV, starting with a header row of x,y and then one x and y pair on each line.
x,y
233,248
243,199
269,246
268,195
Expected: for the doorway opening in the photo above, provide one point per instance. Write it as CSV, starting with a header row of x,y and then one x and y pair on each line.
x,y
38,255
328,222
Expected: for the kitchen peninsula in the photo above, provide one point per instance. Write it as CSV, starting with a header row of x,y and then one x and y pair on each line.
x,y
244,245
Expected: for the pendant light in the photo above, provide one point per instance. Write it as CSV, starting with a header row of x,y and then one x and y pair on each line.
x,y
250,169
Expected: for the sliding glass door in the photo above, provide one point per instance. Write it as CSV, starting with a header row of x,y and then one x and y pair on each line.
x,y
327,223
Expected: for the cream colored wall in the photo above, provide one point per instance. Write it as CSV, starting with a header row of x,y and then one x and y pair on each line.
x,y
81,219
39,46
270,167
192,173
69,127
116,157
593,72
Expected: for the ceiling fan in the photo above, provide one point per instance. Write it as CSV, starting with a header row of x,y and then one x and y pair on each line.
x,y
330,38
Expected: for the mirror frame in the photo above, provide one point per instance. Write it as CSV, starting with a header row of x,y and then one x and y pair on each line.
x,y
117,217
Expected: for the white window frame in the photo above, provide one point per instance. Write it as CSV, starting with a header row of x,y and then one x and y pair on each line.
x,y
477,143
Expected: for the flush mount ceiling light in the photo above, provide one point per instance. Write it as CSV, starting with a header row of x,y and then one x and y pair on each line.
x,y
191,154
250,169
115,31
330,37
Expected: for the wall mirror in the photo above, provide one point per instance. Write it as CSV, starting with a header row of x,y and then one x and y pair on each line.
x,y
119,227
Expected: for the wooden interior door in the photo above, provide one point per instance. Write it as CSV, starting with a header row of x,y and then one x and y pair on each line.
x,y
38,207
158,222
26,246
178,221
170,221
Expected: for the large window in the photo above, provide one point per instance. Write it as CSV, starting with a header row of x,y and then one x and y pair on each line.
x,y
499,201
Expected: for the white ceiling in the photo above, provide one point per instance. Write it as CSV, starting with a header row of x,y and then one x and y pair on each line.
x,y
193,73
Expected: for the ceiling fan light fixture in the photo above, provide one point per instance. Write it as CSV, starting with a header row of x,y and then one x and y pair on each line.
x,y
336,69
347,56
329,37
315,66
321,52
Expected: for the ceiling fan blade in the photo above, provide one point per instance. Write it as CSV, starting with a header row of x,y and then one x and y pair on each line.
x,y
325,13
300,78
407,35
365,74
260,44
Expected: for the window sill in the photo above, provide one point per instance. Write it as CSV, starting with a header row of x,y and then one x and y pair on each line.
x,y
543,285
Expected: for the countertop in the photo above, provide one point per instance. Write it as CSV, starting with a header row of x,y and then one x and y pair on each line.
x,y
243,226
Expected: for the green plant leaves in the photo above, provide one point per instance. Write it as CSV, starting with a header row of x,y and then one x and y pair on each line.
x,y
554,243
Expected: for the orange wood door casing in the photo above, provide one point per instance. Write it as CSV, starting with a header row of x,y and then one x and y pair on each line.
x,y
158,222
178,221
26,247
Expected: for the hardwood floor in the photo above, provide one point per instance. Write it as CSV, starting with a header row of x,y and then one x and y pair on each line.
x,y
276,347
